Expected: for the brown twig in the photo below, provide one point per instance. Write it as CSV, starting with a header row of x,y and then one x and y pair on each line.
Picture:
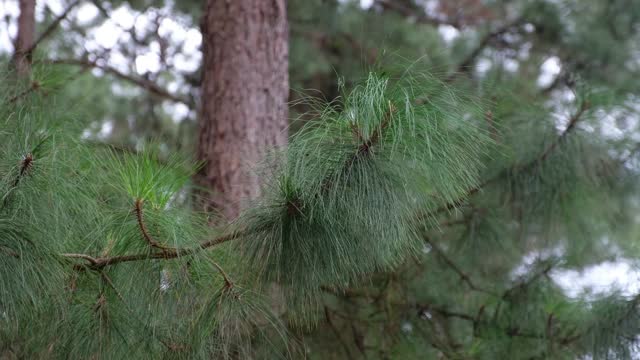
x,y
109,282
527,282
143,228
97,263
364,147
463,276
573,120
377,133
327,316
25,165
227,281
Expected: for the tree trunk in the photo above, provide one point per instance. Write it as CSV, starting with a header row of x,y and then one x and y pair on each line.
x,y
245,88
26,36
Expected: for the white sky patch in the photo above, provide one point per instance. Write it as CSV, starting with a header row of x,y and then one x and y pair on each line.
x,y
119,61
53,5
170,28
483,65
149,62
600,279
407,327
106,129
125,91
609,124
178,111
529,261
124,17
104,36
430,6
365,4
528,27
448,33
511,65
549,70
9,11
621,275
525,51
86,13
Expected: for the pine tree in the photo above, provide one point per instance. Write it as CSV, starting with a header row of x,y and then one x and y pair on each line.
x,y
416,213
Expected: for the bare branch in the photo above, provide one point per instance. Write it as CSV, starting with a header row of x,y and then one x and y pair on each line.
x,y
34,87
97,263
138,81
52,27
336,332
463,276
422,17
227,281
466,64
143,228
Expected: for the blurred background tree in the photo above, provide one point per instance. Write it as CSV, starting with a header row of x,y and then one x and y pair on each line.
x,y
499,271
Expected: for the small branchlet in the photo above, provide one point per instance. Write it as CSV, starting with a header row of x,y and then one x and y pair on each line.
x,y
25,165
35,86
365,147
228,284
145,232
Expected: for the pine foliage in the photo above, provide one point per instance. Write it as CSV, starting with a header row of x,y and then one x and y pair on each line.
x,y
403,199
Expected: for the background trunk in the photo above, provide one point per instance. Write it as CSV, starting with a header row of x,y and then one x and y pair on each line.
x,y
245,89
26,36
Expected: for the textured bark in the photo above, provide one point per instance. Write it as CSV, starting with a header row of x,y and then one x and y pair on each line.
x,y
245,88
26,36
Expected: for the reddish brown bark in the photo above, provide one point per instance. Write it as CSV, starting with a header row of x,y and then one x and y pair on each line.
x,y
25,38
245,88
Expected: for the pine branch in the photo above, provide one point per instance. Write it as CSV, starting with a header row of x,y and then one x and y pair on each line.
x,y
52,27
451,264
97,263
327,41
143,228
33,87
423,309
227,281
573,121
377,133
421,18
527,282
632,306
476,322
336,332
365,145
584,106
466,64
25,165
138,81
109,282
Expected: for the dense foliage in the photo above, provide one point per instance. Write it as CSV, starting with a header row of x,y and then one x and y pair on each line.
x,y
422,209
